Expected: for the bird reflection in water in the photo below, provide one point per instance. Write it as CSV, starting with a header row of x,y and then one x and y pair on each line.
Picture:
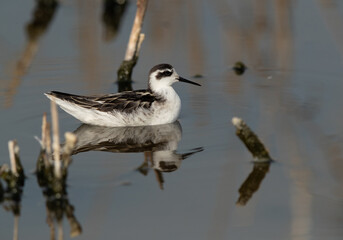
x,y
159,144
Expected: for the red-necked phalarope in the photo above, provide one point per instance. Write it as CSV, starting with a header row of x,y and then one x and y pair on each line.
x,y
159,104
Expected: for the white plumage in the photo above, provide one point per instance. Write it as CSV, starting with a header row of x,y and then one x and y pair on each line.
x,y
159,104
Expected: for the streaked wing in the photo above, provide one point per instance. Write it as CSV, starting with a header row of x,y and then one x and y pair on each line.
x,y
125,101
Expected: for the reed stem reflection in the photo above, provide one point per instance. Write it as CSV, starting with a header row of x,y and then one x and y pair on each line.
x,y
41,18
113,11
252,183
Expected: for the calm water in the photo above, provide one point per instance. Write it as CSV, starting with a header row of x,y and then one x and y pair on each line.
x,y
290,96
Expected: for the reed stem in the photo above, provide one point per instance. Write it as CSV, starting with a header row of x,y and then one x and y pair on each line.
x,y
132,46
56,140
11,146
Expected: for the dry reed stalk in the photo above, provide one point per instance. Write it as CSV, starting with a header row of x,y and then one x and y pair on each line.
x,y
16,227
133,43
56,140
48,139
44,123
139,44
11,146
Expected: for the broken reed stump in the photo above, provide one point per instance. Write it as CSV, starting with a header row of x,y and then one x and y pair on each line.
x,y
51,167
52,172
15,178
261,163
124,72
251,141
131,50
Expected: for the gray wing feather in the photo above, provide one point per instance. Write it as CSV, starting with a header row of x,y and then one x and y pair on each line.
x,y
125,101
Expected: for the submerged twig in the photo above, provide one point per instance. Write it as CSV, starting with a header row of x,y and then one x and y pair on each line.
x,y
251,141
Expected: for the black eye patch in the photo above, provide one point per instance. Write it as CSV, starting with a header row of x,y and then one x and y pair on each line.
x,y
163,74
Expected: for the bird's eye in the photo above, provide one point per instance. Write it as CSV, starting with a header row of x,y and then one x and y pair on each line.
x,y
167,73
163,74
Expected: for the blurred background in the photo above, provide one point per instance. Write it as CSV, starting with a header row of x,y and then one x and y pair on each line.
x,y
290,95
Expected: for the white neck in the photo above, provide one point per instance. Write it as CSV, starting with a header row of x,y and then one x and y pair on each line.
x,y
166,92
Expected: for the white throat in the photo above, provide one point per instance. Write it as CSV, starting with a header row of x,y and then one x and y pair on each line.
x,y
161,86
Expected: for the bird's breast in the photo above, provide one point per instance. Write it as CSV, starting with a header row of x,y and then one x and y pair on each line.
x,y
166,111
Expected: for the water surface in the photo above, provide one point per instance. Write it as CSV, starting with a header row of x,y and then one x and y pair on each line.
x,y
289,96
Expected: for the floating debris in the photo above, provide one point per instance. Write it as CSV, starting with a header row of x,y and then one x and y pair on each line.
x,y
251,141
198,75
239,68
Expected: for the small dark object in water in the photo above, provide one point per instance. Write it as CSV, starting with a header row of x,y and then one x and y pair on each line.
x,y
198,75
239,68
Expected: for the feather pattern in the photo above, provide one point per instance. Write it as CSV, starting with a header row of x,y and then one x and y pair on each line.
x,y
127,102
159,104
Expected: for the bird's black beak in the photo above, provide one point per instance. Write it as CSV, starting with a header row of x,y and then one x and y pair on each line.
x,y
181,79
